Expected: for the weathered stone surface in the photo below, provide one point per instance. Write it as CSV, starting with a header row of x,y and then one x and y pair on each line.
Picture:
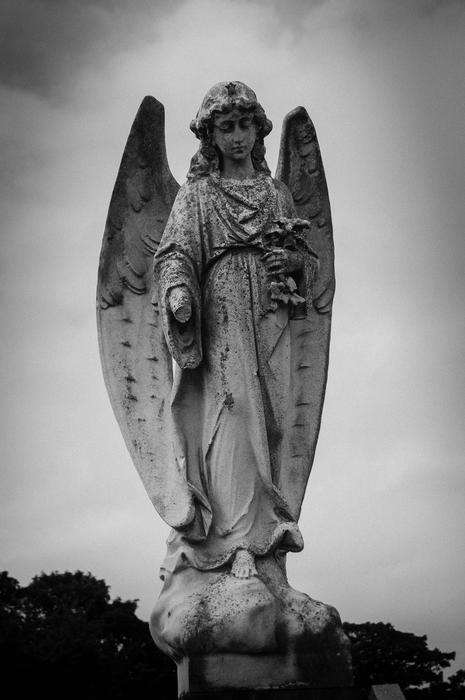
x,y
265,671
388,691
280,694
302,693
241,299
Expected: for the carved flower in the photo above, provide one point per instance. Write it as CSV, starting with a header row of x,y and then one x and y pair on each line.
x,y
290,235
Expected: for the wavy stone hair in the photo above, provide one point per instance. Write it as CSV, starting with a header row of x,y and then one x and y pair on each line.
x,y
207,159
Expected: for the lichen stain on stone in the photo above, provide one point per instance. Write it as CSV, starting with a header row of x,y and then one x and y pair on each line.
x,y
229,400
224,358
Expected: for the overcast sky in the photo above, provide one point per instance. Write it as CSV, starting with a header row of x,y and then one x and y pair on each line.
x,y
383,81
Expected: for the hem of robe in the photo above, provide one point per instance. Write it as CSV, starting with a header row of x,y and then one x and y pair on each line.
x,y
286,536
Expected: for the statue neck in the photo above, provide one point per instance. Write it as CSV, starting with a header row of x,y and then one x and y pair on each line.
x,y
238,169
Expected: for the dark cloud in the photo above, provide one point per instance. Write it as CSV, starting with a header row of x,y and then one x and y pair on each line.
x,y
43,43
360,14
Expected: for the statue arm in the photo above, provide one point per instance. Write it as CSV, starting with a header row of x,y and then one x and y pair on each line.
x,y
178,269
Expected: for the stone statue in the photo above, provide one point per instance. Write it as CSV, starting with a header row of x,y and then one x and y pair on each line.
x,y
232,276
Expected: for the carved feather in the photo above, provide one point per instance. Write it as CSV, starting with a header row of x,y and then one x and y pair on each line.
x,y
136,363
300,167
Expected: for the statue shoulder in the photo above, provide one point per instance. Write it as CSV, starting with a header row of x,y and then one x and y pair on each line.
x,y
188,197
284,196
192,190
188,209
281,187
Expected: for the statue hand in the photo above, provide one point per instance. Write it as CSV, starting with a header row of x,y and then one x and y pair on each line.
x,y
280,261
180,304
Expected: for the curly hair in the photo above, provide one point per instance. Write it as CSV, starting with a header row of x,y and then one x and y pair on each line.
x,y
222,98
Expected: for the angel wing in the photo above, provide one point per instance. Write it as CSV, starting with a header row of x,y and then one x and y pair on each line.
x,y
300,167
136,363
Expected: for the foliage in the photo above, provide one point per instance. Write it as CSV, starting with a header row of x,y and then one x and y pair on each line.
x,y
453,689
382,654
62,635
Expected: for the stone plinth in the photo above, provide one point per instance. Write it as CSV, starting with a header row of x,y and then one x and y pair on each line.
x,y
224,673
387,691
377,692
281,694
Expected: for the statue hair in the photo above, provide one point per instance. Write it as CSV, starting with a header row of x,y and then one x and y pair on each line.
x,y
207,159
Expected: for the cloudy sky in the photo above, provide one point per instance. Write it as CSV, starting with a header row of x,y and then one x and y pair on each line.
x,y
383,81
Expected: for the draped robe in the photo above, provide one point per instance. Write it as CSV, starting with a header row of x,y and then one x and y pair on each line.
x,y
230,395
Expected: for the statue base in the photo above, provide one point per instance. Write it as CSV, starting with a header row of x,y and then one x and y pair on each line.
x,y
243,675
227,633
377,692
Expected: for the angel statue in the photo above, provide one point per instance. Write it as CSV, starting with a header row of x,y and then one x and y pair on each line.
x,y
232,277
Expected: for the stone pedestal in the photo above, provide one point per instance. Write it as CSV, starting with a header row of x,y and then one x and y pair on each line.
x,y
378,692
281,694
230,634
387,691
198,674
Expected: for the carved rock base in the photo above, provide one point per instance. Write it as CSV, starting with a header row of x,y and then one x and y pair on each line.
x,y
256,633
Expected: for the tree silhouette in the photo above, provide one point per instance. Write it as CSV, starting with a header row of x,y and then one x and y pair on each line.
x,y
382,654
62,636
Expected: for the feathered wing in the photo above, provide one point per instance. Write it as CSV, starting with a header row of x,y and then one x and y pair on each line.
x,y
300,167
136,363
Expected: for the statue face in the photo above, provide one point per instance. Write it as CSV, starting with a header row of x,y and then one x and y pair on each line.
x,y
234,133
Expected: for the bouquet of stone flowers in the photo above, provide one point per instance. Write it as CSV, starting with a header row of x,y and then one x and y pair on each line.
x,y
289,235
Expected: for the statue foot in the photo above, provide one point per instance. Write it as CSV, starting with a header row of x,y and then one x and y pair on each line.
x,y
243,565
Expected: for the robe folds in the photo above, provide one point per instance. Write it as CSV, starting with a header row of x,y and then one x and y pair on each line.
x,y
230,395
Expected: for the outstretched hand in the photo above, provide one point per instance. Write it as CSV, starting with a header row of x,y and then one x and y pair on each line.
x,y
180,304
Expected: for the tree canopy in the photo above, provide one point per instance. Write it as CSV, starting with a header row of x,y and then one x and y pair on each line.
x,y
383,654
62,635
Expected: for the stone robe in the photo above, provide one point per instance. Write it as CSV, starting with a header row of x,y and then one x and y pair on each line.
x,y
231,387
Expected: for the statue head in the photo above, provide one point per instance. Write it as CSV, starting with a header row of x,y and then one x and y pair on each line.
x,y
220,99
